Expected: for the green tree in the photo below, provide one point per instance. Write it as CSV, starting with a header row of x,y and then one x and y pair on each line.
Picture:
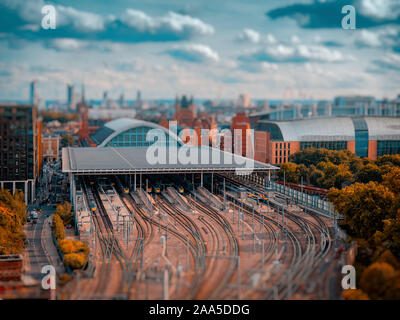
x,y
377,279
74,260
390,236
354,294
289,171
369,172
58,227
391,160
334,175
65,212
11,235
392,180
364,207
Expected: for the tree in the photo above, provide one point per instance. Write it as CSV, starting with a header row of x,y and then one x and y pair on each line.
x,y
15,203
58,227
11,235
74,260
67,140
73,246
65,212
376,279
388,257
354,294
289,172
369,172
334,175
364,207
390,236
392,180
391,160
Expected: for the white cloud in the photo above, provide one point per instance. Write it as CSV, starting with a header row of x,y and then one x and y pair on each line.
x,y
270,39
67,44
193,53
390,61
380,9
248,35
295,53
80,20
295,39
383,37
171,22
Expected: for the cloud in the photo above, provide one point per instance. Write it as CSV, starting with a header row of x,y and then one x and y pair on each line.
x,y
327,13
248,35
270,39
294,54
193,53
368,39
19,18
389,62
258,67
382,38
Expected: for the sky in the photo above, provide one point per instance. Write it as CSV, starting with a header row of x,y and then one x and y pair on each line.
x,y
271,49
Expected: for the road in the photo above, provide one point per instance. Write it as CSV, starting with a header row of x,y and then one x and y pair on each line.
x,y
38,238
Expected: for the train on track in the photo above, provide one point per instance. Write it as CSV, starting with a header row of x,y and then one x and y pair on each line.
x,y
314,191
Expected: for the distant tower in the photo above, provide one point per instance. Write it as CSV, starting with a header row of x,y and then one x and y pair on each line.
x,y
121,100
33,96
244,101
138,102
83,113
71,97
83,93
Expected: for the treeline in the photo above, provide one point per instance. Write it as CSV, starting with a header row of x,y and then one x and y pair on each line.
x,y
75,252
367,194
328,168
62,117
372,218
12,219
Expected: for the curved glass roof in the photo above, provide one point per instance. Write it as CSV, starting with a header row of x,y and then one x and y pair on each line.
x,y
331,128
115,127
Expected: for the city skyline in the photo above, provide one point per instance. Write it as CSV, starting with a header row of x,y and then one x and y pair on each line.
x,y
274,50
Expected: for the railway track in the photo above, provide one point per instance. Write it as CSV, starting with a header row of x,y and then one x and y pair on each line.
x,y
316,248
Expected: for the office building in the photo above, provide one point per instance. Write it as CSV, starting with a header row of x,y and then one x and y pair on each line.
x,y
368,137
19,158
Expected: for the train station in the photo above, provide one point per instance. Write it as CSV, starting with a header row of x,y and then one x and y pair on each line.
x,y
187,213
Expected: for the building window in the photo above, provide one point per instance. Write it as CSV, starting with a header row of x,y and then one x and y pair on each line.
x,y
388,147
330,145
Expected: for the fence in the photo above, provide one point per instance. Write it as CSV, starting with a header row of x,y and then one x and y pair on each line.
x,y
309,201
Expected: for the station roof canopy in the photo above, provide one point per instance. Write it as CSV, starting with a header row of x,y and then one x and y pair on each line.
x,y
126,160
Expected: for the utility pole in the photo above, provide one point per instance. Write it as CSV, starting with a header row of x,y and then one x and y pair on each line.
x,y
224,194
166,285
238,276
187,252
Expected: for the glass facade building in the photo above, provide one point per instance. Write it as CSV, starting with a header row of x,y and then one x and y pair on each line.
x,y
126,132
136,137
388,147
361,137
330,145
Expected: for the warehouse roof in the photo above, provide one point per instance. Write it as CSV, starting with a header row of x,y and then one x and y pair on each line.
x,y
331,128
139,160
